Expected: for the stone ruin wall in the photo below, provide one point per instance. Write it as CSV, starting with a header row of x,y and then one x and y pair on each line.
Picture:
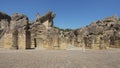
x,y
13,32
4,31
17,32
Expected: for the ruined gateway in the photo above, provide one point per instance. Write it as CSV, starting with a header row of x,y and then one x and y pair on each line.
x,y
17,32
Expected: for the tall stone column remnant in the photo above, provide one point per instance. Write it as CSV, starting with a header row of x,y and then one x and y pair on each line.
x,y
19,28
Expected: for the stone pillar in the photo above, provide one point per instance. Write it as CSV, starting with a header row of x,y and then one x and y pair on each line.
x,y
93,43
85,41
21,40
7,41
2,42
56,42
4,33
102,44
15,39
83,47
63,43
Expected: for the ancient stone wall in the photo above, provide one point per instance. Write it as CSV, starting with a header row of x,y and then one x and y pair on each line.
x,y
17,32
4,30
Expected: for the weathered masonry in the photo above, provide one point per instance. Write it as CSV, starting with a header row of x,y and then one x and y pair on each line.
x,y
17,32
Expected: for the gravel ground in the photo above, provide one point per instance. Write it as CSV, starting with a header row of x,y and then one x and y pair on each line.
x,y
60,58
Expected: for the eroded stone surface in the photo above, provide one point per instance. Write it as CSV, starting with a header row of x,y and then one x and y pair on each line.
x,y
17,32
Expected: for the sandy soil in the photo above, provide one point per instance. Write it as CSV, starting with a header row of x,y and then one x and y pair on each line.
x,y
60,58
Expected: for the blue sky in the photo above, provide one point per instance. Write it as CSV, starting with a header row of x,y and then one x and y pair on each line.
x,y
69,13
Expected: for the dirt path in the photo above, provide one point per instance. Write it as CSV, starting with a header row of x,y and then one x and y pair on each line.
x,y
60,59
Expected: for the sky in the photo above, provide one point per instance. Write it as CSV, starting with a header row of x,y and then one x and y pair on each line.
x,y
69,13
